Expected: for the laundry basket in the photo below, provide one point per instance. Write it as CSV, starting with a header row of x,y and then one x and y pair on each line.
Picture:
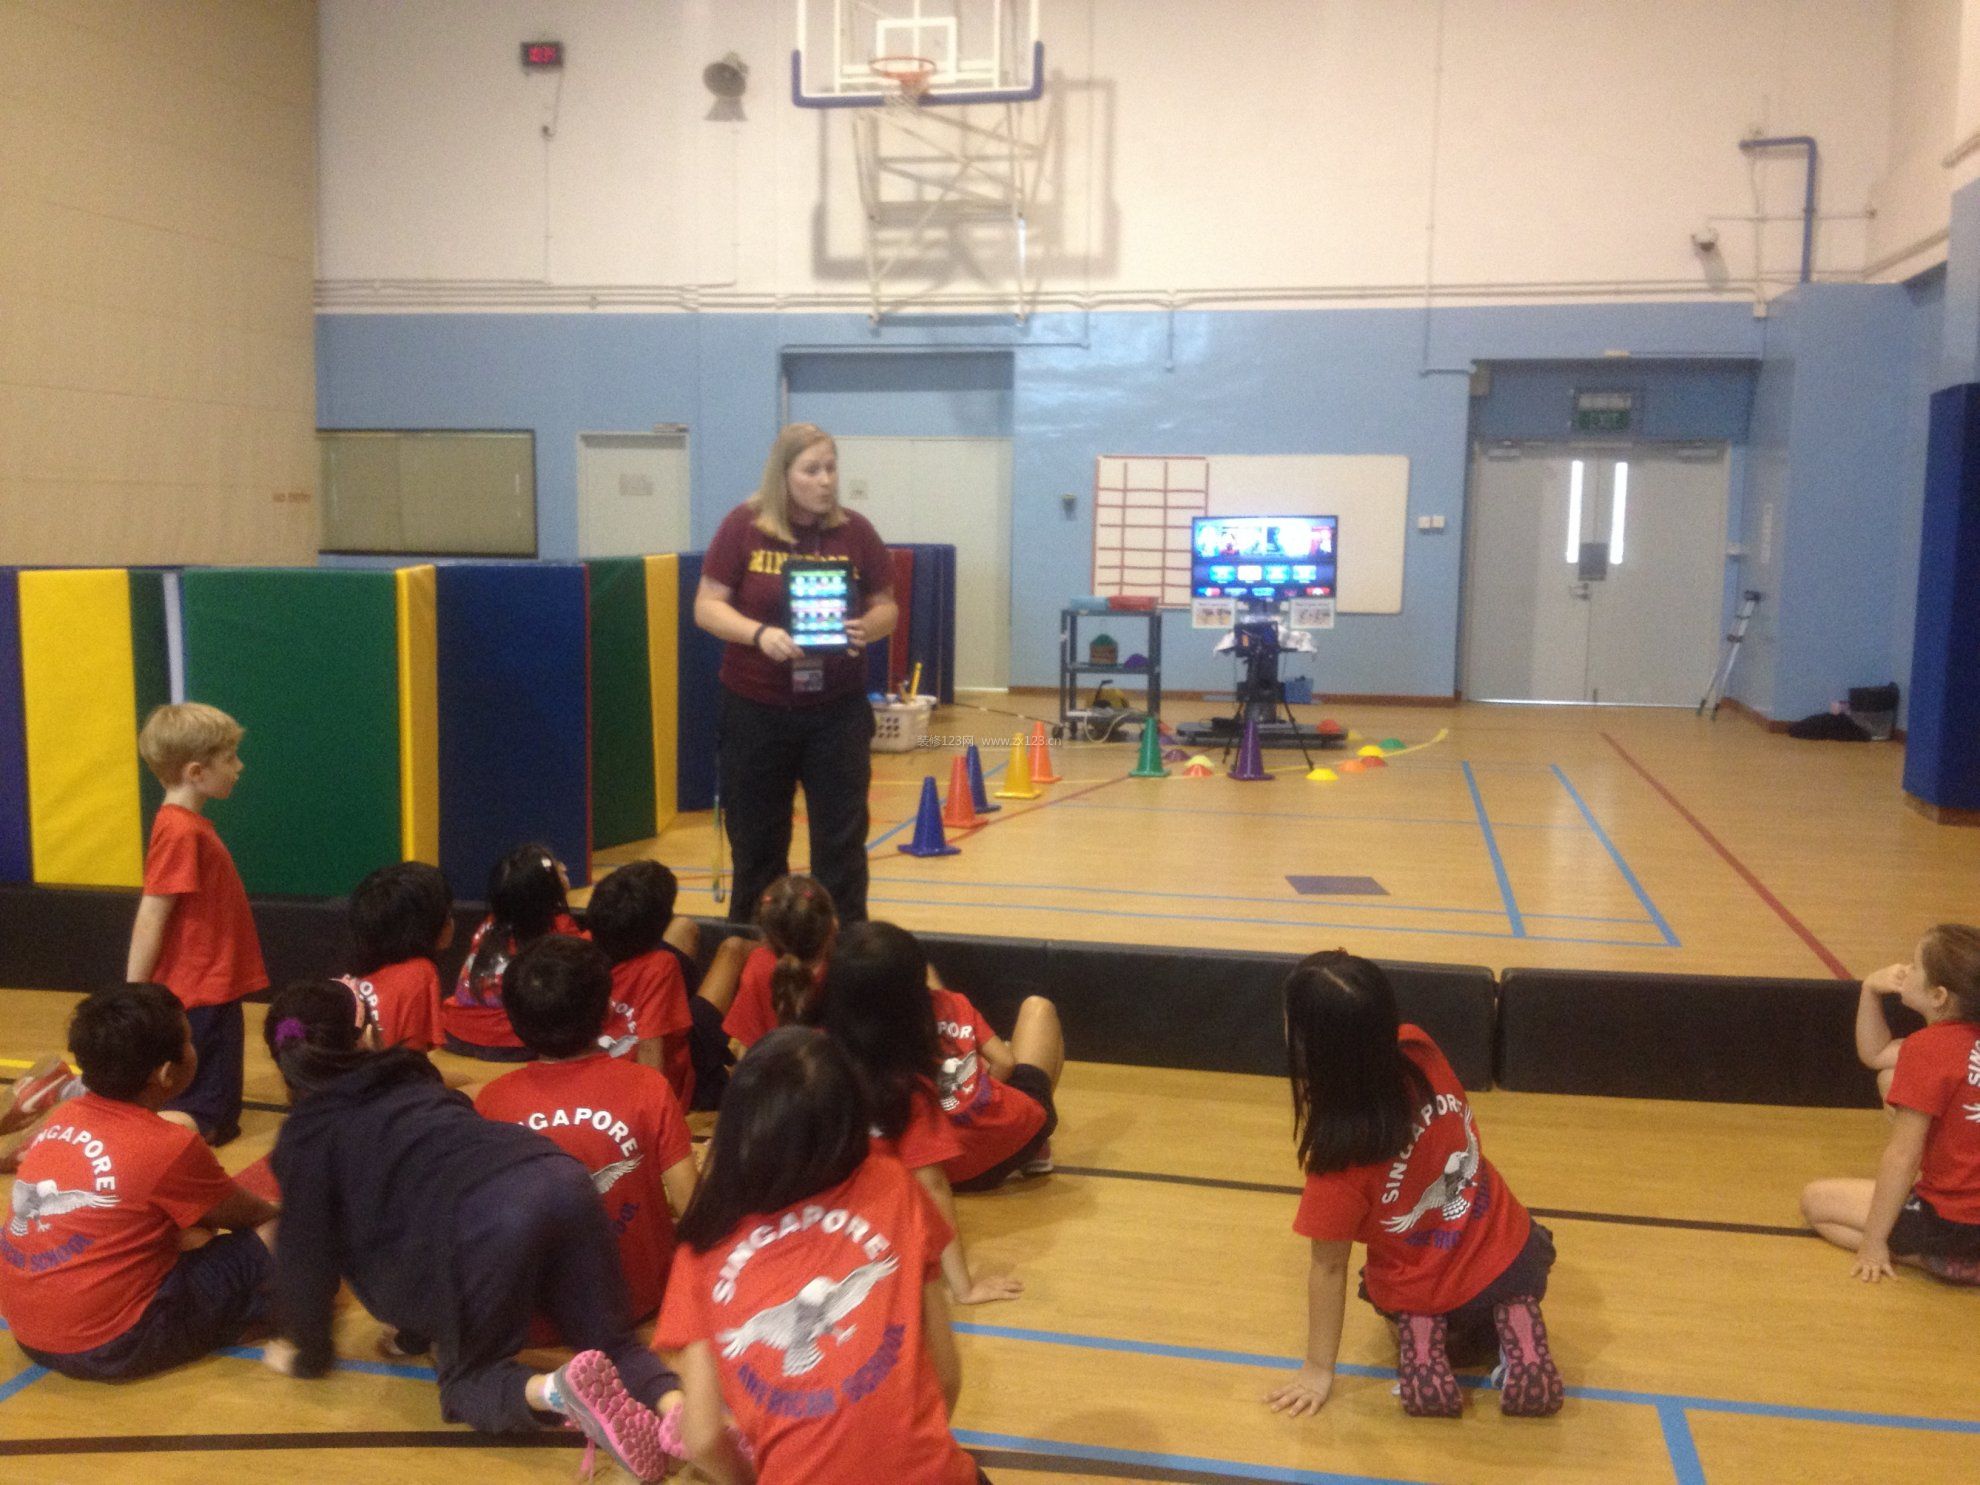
x,y
901,726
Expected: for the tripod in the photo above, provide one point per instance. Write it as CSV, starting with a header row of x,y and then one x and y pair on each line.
x,y
1715,693
1261,695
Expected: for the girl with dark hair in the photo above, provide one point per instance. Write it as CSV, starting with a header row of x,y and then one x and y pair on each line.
x,y
806,1296
779,978
448,1226
875,1004
402,920
526,900
1392,1160
1923,1208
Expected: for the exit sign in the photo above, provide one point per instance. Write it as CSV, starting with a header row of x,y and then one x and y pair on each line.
x,y
542,56
1604,412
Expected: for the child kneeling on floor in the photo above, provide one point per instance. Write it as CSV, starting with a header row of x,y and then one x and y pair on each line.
x,y
1923,1208
450,1227
1392,1160
93,1279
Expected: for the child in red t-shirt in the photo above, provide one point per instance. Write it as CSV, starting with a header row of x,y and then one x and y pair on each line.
x,y
402,919
998,1094
1924,1206
93,1282
807,1295
194,932
1392,1160
777,979
875,1004
527,898
616,1116
654,1015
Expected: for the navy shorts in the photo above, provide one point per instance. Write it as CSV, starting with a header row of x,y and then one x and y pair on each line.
x,y
708,1047
1032,1082
208,1300
487,1054
1920,1232
1524,1278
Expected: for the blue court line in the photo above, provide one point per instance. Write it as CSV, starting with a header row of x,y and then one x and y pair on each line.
x,y
1498,863
1033,907
347,1364
880,840
1616,856
1680,1445
1346,900
1313,817
971,1438
21,1381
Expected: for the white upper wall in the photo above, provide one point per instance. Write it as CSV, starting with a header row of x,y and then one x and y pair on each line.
x,y
1913,196
1315,150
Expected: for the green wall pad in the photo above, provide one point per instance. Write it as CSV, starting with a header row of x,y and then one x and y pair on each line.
x,y
621,703
307,661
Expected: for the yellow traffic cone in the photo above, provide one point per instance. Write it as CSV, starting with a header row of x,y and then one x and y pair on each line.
x,y
1017,778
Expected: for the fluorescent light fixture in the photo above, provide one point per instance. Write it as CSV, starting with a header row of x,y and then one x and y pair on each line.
x,y
1574,512
1618,509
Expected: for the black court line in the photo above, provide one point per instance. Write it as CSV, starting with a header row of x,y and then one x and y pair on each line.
x,y
1104,1469
1558,1214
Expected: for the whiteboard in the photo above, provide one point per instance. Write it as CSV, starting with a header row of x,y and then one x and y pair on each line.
x,y
1143,505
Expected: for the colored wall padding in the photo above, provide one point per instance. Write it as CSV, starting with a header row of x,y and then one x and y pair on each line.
x,y
16,854
924,632
1942,741
151,674
307,661
76,691
514,717
419,714
897,656
663,655
700,694
622,805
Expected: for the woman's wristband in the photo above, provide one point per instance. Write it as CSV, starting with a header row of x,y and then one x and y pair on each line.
x,y
756,639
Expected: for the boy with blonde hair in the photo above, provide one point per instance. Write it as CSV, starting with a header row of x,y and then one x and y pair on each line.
x,y
194,932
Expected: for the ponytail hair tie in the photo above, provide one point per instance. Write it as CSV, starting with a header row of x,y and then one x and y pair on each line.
x,y
288,1031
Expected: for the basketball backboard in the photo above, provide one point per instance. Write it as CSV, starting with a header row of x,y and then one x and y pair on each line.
x,y
951,51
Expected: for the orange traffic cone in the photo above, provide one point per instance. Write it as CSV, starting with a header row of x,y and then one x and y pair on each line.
x,y
1017,778
1041,756
959,809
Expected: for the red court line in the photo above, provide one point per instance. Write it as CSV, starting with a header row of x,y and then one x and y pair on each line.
x,y
1800,929
1006,814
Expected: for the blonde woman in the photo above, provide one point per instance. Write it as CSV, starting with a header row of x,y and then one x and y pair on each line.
x,y
792,716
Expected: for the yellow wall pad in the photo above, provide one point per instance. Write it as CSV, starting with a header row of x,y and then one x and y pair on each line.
x,y
663,650
78,686
419,714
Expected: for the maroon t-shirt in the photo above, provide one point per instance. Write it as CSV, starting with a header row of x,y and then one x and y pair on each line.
x,y
750,564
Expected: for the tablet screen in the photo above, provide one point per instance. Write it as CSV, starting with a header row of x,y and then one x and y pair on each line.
x,y
820,596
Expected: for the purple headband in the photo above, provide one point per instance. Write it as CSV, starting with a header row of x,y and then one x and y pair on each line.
x,y
288,1031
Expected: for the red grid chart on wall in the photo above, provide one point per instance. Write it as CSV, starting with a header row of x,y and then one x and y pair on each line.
x,y
1142,507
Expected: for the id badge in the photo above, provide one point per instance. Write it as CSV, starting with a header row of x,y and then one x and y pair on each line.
x,y
807,676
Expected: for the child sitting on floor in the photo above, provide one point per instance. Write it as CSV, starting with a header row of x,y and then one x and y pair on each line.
x,y
451,1227
776,979
526,899
807,1294
1923,1208
616,1116
402,920
998,1094
654,1014
1392,1160
93,1281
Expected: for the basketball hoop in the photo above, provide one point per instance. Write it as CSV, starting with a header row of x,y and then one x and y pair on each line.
x,y
911,76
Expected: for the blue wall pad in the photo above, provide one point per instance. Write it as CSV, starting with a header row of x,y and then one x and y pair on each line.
x,y
701,699
1942,743
515,751
932,625
16,862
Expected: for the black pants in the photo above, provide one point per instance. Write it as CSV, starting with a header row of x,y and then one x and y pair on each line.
x,y
766,753
534,1239
213,1098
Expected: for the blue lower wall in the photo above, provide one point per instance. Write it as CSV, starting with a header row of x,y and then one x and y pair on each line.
x,y
1066,388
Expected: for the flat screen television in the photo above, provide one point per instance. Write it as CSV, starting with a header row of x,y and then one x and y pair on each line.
x,y
1263,560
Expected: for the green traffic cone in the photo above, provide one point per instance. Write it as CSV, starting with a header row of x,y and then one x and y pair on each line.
x,y
1150,766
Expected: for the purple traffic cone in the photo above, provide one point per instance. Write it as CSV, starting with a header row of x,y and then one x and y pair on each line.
x,y
979,795
1250,763
928,837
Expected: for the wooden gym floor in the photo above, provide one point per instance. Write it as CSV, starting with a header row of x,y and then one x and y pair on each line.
x,y
1703,1335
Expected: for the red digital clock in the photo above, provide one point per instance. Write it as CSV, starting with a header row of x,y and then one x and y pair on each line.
x,y
542,56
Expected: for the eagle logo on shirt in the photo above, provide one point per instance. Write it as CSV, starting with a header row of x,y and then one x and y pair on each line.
x,y
796,1326
35,1204
955,1074
1446,1194
608,1176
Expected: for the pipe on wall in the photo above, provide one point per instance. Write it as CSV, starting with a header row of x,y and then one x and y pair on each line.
x,y
1800,142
